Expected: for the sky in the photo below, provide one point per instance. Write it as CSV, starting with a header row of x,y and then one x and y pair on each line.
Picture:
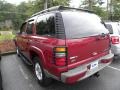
x,y
75,3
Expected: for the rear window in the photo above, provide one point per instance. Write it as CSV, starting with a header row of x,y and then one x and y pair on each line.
x,y
109,27
80,24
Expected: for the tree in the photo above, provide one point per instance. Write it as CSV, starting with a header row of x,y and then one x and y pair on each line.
x,y
19,13
5,9
38,5
95,6
100,12
58,2
89,4
115,12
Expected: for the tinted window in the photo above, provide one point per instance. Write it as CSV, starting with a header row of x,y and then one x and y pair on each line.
x,y
29,27
82,24
109,27
23,28
46,25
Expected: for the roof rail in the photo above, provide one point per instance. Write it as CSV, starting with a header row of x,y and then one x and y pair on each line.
x,y
60,8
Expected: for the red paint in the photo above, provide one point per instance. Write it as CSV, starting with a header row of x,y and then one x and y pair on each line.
x,y
78,51
85,48
82,48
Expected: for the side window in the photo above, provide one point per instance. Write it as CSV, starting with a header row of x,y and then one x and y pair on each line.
x,y
23,28
46,25
29,27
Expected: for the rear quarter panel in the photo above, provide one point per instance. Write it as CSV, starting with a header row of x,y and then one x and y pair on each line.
x,y
44,47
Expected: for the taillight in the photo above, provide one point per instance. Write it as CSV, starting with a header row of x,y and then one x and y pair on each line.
x,y
115,39
60,56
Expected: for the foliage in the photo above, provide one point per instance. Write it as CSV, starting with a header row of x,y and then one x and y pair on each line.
x,y
95,6
38,5
18,14
6,10
6,37
113,12
58,2
100,12
116,10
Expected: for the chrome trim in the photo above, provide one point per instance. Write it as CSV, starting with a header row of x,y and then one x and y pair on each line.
x,y
83,68
59,55
91,72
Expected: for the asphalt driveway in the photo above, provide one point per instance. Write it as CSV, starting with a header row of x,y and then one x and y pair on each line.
x,y
17,76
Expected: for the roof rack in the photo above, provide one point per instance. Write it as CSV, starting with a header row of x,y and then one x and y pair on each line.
x,y
60,8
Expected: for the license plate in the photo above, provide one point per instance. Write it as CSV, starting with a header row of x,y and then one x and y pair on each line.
x,y
94,65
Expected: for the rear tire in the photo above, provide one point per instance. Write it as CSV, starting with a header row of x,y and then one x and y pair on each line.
x,y
18,51
39,73
0,57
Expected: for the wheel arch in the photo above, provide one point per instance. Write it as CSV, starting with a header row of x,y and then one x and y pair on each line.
x,y
34,51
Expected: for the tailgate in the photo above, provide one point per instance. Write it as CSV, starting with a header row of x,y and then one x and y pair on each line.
x,y
86,49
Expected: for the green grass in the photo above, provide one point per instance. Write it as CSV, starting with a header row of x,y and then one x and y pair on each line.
x,y
6,37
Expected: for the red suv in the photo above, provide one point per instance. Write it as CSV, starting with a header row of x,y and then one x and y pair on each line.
x,y
66,44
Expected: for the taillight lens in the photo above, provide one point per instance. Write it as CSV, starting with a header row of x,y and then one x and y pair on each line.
x,y
60,56
60,61
115,39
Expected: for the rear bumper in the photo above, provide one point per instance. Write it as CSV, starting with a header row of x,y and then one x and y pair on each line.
x,y
84,71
